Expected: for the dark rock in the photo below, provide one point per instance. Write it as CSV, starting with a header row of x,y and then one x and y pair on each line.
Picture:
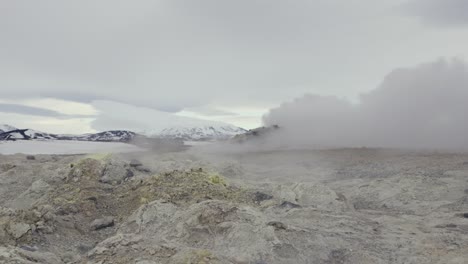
x,y
83,248
338,256
101,223
260,197
463,215
277,225
135,163
446,226
92,198
30,157
67,210
43,228
289,205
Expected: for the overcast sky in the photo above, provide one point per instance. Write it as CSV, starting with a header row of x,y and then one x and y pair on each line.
x,y
221,60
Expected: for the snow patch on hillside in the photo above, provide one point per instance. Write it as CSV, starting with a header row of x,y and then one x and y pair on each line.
x,y
208,132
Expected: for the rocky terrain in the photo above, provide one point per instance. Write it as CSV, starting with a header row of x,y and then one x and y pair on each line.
x,y
204,205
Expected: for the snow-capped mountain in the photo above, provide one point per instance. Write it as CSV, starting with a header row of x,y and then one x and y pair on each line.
x,y
160,124
24,134
190,131
106,136
6,128
11,133
203,132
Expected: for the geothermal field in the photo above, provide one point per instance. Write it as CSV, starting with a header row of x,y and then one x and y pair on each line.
x,y
234,132
216,204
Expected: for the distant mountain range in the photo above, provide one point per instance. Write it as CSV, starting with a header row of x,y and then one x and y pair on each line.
x,y
11,133
207,132
188,133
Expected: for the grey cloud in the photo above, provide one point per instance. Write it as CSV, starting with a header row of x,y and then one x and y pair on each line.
x,y
421,107
35,111
177,54
173,54
439,12
114,115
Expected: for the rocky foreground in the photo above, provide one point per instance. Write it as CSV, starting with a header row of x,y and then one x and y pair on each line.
x,y
335,206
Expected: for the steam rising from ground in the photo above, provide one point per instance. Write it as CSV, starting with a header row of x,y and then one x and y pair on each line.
x,y
421,107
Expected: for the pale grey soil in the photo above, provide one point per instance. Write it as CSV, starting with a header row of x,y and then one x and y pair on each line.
x,y
294,206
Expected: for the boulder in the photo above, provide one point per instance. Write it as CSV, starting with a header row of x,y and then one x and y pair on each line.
x,y
115,172
18,230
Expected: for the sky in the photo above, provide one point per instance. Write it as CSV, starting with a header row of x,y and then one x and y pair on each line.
x,y
66,66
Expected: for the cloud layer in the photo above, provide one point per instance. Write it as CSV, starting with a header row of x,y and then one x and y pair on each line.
x,y
175,54
421,107
114,115
36,111
209,58
439,12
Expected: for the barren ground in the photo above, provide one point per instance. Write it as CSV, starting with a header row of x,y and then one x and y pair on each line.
x,y
259,207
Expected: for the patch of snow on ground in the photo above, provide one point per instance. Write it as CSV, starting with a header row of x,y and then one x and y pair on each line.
x,y
64,147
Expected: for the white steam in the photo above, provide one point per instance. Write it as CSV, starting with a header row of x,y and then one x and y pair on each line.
x,y
421,107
